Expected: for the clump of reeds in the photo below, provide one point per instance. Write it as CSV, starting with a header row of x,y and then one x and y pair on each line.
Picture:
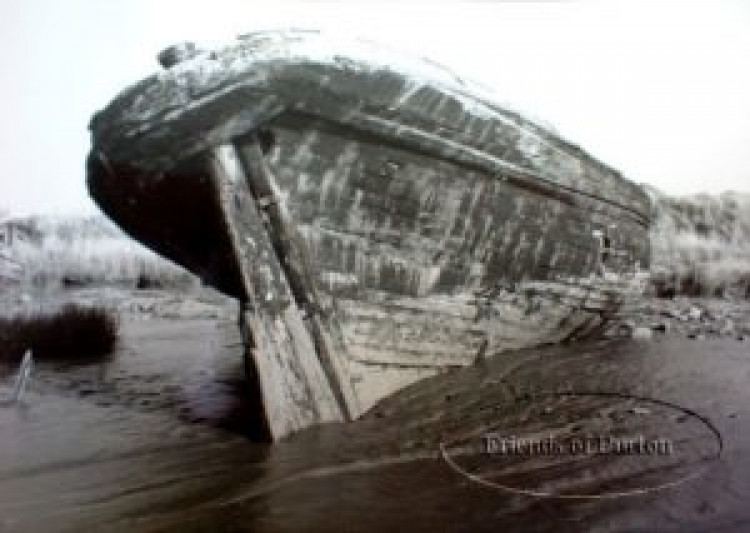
x,y
74,333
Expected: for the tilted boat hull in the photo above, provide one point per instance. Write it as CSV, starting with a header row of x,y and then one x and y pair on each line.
x,y
379,225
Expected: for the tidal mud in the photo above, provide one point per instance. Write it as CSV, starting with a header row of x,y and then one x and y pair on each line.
x,y
157,438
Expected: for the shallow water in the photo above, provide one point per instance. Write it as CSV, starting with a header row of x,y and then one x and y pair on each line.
x,y
155,438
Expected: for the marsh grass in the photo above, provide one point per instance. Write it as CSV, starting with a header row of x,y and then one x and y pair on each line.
x,y
81,259
74,334
701,246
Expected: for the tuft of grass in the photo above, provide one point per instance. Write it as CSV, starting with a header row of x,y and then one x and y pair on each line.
x,y
74,333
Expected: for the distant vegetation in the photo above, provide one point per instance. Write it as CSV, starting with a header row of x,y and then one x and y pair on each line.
x,y
74,334
701,245
81,252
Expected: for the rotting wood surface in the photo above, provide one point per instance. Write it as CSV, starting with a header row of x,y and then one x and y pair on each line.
x,y
381,222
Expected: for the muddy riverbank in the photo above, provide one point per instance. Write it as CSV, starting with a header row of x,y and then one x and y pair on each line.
x,y
155,438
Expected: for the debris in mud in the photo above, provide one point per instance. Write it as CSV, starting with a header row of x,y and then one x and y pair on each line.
x,y
695,313
691,318
642,333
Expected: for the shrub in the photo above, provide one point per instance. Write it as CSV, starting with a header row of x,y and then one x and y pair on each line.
x,y
74,333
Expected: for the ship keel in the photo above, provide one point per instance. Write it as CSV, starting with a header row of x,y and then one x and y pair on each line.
x,y
290,357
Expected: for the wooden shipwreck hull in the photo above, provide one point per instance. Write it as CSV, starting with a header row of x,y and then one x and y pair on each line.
x,y
380,220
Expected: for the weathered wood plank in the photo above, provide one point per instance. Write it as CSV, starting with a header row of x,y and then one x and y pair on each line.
x,y
325,331
294,389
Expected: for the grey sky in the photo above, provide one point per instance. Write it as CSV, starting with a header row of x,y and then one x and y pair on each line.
x,y
661,92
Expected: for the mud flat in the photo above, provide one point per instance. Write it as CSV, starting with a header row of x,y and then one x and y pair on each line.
x,y
156,437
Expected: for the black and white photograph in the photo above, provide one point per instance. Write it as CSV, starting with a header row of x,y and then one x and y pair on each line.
x,y
330,266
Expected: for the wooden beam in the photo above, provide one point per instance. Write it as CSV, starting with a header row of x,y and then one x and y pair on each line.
x,y
295,261
294,390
